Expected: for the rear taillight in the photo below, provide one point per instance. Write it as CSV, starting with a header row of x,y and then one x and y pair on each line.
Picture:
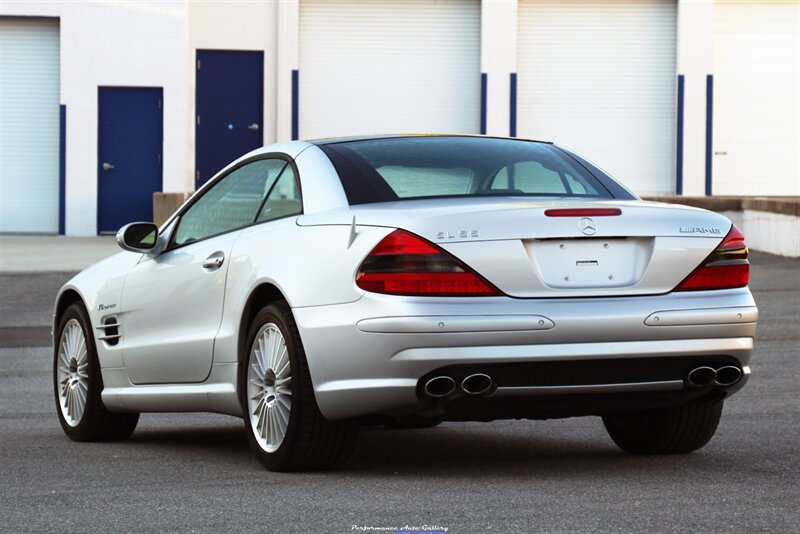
x,y
406,264
727,267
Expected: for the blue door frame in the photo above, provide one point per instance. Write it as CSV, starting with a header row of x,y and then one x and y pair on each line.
x,y
229,106
129,163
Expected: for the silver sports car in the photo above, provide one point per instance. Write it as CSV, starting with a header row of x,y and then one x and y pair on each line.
x,y
315,287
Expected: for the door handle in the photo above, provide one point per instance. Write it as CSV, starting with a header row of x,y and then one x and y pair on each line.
x,y
108,166
720,152
253,127
214,261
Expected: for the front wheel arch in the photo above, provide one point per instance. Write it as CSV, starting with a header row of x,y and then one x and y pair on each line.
x,y
66,299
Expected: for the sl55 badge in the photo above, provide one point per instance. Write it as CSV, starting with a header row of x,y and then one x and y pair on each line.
x,y
461,234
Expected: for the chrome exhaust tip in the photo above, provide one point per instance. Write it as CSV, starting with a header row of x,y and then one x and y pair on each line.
x,y
439,386
477,384
728,375
701,376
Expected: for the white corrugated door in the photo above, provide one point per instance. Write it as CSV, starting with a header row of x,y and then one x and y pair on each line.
x,y
389,66
756,135
599,78
29,125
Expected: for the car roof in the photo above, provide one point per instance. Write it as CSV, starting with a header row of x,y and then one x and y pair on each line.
x,y
347,139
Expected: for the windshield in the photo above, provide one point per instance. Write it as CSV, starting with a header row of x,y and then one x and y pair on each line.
x,y
398,168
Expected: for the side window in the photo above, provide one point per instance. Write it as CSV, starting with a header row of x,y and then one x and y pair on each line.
x,y
231,203
284,199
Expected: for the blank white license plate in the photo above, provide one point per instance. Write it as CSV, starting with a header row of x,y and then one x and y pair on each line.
x,y
590,263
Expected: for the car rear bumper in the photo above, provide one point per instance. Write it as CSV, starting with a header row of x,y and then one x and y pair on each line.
x,y
374,355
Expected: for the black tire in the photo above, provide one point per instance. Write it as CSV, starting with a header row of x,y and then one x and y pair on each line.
x,y
96,423
669,431
311,442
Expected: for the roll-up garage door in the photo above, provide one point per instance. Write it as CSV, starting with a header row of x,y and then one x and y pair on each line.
x,y
29,125
756,105
389,66
599,78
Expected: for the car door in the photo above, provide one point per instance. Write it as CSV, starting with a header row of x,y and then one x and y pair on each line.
x,y
172,303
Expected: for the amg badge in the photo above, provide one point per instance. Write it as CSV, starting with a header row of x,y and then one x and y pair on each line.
x,y
699,230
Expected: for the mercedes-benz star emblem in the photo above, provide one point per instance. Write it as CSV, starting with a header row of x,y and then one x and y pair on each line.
x,y
587,226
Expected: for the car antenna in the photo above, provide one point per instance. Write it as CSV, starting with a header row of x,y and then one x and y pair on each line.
x,y
352,233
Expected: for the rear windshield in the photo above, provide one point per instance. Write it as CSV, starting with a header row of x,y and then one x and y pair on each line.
x,y
398,168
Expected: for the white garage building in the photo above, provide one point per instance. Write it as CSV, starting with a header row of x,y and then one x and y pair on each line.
x,y
102,104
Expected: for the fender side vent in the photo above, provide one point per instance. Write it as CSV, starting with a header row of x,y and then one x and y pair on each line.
x,y
110,331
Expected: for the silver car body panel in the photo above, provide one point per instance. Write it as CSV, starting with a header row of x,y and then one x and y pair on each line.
x,y
367,352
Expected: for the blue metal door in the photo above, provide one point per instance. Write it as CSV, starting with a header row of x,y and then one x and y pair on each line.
x,y
130,137
230,108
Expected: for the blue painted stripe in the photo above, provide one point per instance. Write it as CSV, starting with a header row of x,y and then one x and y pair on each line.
x,y
709,128
512,110
62,170
483,103
679,139
295,105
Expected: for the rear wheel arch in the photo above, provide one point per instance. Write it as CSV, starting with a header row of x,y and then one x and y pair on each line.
x,y
263,295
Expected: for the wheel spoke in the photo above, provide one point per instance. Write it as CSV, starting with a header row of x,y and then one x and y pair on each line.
x,y
257,382
256,368
262,420
261,355
80,351
80,399
284,370
271,347
283,417
284,399
70,401
283,361
271,425
73,341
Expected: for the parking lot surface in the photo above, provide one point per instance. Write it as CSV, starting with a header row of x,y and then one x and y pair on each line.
x,y
194,472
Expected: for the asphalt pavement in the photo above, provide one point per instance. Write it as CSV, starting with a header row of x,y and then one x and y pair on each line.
x,y
194,472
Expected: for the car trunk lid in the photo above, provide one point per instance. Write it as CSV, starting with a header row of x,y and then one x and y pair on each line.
x,y
527,251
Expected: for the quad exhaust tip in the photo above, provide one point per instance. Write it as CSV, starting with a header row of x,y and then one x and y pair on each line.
x,y
701,376
728,375
477,384
439,386
725,376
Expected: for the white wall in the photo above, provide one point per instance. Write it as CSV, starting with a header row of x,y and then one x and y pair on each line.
x,y
695,61
135,44
498,61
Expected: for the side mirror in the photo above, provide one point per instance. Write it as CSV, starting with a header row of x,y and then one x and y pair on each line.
x,y
138,237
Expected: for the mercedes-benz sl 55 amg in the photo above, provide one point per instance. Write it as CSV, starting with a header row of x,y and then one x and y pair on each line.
x,y
313,287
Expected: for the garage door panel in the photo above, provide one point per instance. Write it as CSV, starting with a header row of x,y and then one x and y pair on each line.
x,y
599,78
389,66
30,129
756,108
